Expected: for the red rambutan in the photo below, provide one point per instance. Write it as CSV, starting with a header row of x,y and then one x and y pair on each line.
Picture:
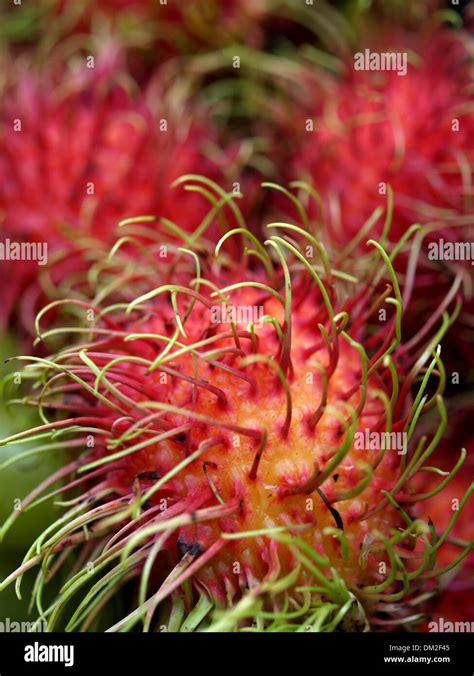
x,y
245,429
81,149
380,132
412,131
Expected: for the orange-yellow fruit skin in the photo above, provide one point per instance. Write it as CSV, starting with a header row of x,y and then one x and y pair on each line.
x,y
281,493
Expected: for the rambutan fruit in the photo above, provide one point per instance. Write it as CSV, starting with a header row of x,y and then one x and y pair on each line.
x,y
78,147
239,437
379,131
413,132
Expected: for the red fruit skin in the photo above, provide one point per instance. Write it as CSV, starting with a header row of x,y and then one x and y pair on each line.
x,y
85,132
196,440
276,495
379,127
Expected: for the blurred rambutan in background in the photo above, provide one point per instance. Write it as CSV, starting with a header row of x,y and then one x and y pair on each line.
x,y
411,131
376,130
82,148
